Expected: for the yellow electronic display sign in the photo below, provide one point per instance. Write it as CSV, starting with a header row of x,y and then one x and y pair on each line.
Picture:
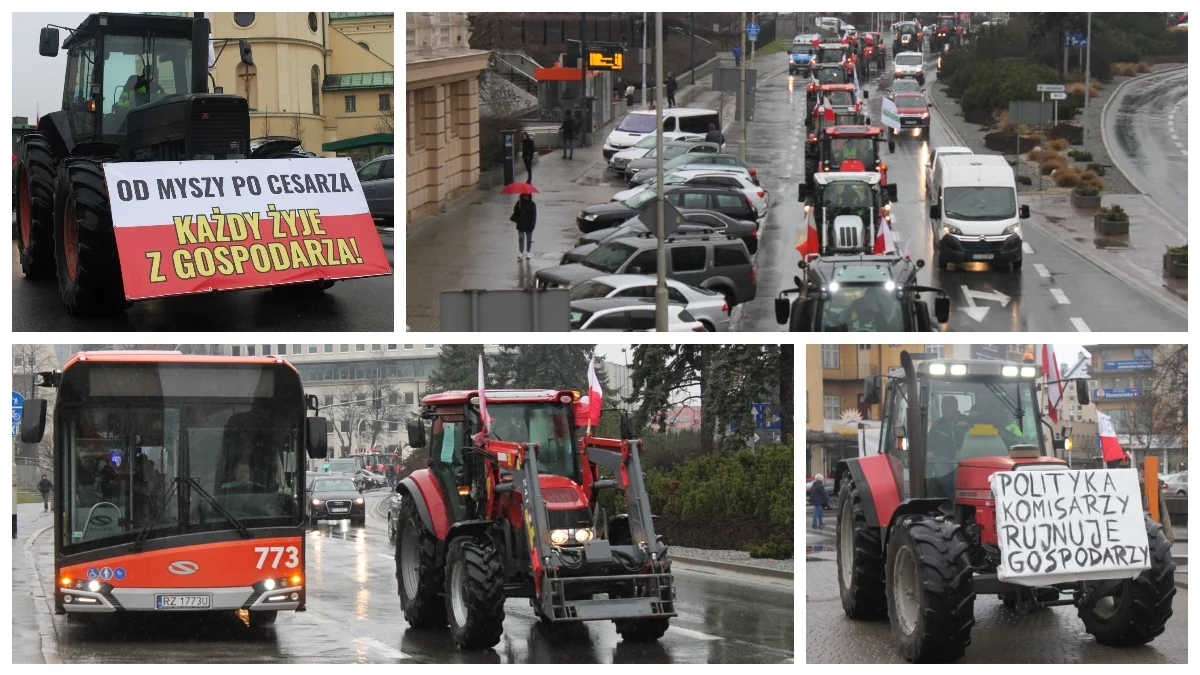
x,y
605,59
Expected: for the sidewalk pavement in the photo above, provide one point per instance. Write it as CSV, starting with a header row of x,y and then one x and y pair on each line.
x,y
26,625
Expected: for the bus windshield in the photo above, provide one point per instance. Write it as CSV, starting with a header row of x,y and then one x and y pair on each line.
x,y
170,449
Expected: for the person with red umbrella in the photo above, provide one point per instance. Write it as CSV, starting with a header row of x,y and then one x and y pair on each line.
x,y
525,217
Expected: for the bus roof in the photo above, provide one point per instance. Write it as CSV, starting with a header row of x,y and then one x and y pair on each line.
x,y
501,396
149,356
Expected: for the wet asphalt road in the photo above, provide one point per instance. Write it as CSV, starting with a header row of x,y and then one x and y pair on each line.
x,y
1056,289
1146,131
1053,635
354,617
352,305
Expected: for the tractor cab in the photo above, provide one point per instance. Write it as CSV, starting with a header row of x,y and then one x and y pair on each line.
x,y
848,199
908,37
847,148
832,53
829,74
843,99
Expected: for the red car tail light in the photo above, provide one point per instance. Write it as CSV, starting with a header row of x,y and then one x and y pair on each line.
x,y
753,282
761,193
725,307
699,329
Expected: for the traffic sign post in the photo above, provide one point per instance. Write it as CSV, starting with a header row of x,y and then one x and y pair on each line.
x,y
18,406
18,409
752,31
1057,96
1054,90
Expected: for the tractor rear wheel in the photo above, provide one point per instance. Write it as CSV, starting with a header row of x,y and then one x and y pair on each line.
x,y
35,207
931,601
1138,612
419,580
89,269
475,592
859,557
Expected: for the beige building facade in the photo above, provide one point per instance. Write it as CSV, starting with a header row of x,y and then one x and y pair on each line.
x,y
327,78
442,111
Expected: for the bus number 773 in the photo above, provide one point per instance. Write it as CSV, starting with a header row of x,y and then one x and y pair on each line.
x,y
292,560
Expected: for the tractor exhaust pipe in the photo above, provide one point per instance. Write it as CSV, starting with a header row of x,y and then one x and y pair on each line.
x,y
200,34
916,428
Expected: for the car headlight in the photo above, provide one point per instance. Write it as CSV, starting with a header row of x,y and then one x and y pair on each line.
x,y
898,73
925,115
950,229
920,68
1012,229
588,216
360,500
316,502
559,537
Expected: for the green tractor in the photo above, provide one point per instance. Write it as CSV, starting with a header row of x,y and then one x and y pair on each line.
x,y
136,90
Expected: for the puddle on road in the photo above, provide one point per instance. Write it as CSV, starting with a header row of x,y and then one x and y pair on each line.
x,y
1111,242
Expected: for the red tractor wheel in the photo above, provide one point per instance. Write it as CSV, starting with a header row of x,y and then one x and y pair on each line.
x,y
419,579
931,603
1138,612
35,207
89,269
475,592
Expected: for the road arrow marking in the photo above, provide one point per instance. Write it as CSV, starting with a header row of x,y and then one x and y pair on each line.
x,y
976,312
1080,325
1041,269
1060,296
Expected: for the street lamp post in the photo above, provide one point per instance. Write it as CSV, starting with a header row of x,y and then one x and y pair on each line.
x,y
660,293
1087,79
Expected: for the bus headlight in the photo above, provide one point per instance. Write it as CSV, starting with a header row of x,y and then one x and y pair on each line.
x,y
269,584
559,537
94,586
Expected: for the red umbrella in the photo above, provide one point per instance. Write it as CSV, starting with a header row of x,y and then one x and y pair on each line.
x,y
519,189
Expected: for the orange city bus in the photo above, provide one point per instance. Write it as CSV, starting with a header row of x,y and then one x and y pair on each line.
x,y
181,483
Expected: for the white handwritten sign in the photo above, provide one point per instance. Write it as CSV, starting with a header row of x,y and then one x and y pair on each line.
x,y
1060,526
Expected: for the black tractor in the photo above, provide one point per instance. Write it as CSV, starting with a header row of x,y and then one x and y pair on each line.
x,y
136,90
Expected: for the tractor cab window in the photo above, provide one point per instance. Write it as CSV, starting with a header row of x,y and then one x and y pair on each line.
x,y
840,99
139,70
831,76
865,307
846,195
894,445
831,54
547,425
80,68
857,149
975,418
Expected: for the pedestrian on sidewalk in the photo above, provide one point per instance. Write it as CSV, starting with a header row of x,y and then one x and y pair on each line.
x,y
528,149
568,132
672,87
714,135
629,95
45,487
819,499
525,216
737,55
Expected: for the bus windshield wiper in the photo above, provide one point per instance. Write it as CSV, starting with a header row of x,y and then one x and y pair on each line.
x,y
145,532
237,524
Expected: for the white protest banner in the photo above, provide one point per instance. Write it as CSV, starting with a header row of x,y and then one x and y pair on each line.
x,y
888,114
1060,526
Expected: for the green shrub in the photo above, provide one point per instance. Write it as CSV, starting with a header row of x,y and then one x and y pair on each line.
x,y
1097,168
1087,190
1115,212
1082,156
778,547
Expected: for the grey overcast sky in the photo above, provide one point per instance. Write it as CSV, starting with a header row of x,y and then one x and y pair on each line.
x,y
37,80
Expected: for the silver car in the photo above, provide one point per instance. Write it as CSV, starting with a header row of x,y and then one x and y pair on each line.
x,y
376,179
1175,485
708,307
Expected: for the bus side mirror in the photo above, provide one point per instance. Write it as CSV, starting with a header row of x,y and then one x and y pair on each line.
x,y
1066,433
48,42
316,437
893,192
33,420
871,390
941,307
626,426
1081,392
311,402
416,433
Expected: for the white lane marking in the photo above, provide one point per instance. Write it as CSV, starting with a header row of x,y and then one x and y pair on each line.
x,y
390,652
1060,296
694,633
1080,325
1041,269
1026,247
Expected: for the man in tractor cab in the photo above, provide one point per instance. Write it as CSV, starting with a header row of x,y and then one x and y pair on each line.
x,y
946,436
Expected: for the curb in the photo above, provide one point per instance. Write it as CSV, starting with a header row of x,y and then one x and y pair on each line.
x,y
1182,228
735,567
48,639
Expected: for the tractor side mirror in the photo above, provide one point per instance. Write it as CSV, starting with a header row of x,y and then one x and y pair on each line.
x,y
311,402
941,307
1024,211
48,42
316,437
246,52
1082,393
935,211
920,263
626,426
33,420
891,145
783,310
802,191
416,433
871,390
893,192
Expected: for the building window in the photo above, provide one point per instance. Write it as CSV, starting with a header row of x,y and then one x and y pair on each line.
x,y
249,350
360,348
312,21
312,349
344,349
430,346
282,350
830,356
243,19
408,348
297,349
266,350
235,350
833,407
328,349
1139,354
345,426
409,398
316,90
385,102
328,399
393,398
393,426
936,351
375,348
351,104
391,348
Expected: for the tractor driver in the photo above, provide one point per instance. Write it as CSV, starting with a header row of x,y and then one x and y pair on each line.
x,y
946,436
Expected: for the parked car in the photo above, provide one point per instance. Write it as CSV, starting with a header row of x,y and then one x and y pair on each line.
x,y
336,497
671,150
722,199
629,315
620,161
696,221
376,179
1175,485
736,179
696,161
709,307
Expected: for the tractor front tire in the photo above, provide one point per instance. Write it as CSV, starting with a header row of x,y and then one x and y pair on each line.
x,y
1139,610
420,581
89,269
35,207
931,602
859,557
475,592
643,630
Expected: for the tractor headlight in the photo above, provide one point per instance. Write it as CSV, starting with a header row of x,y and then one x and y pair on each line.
x,y
559,537
1009,371
958,369
583,534
1028,371
937,369
834,286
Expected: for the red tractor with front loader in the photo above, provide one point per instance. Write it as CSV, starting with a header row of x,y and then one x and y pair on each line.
x,y
917,523
516,513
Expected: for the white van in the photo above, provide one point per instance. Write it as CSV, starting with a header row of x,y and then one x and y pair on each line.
x,y
678,123
934,155
973,211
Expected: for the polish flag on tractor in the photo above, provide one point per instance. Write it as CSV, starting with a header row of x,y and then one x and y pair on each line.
x,y
588,410
811,244
1054,388
884,241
